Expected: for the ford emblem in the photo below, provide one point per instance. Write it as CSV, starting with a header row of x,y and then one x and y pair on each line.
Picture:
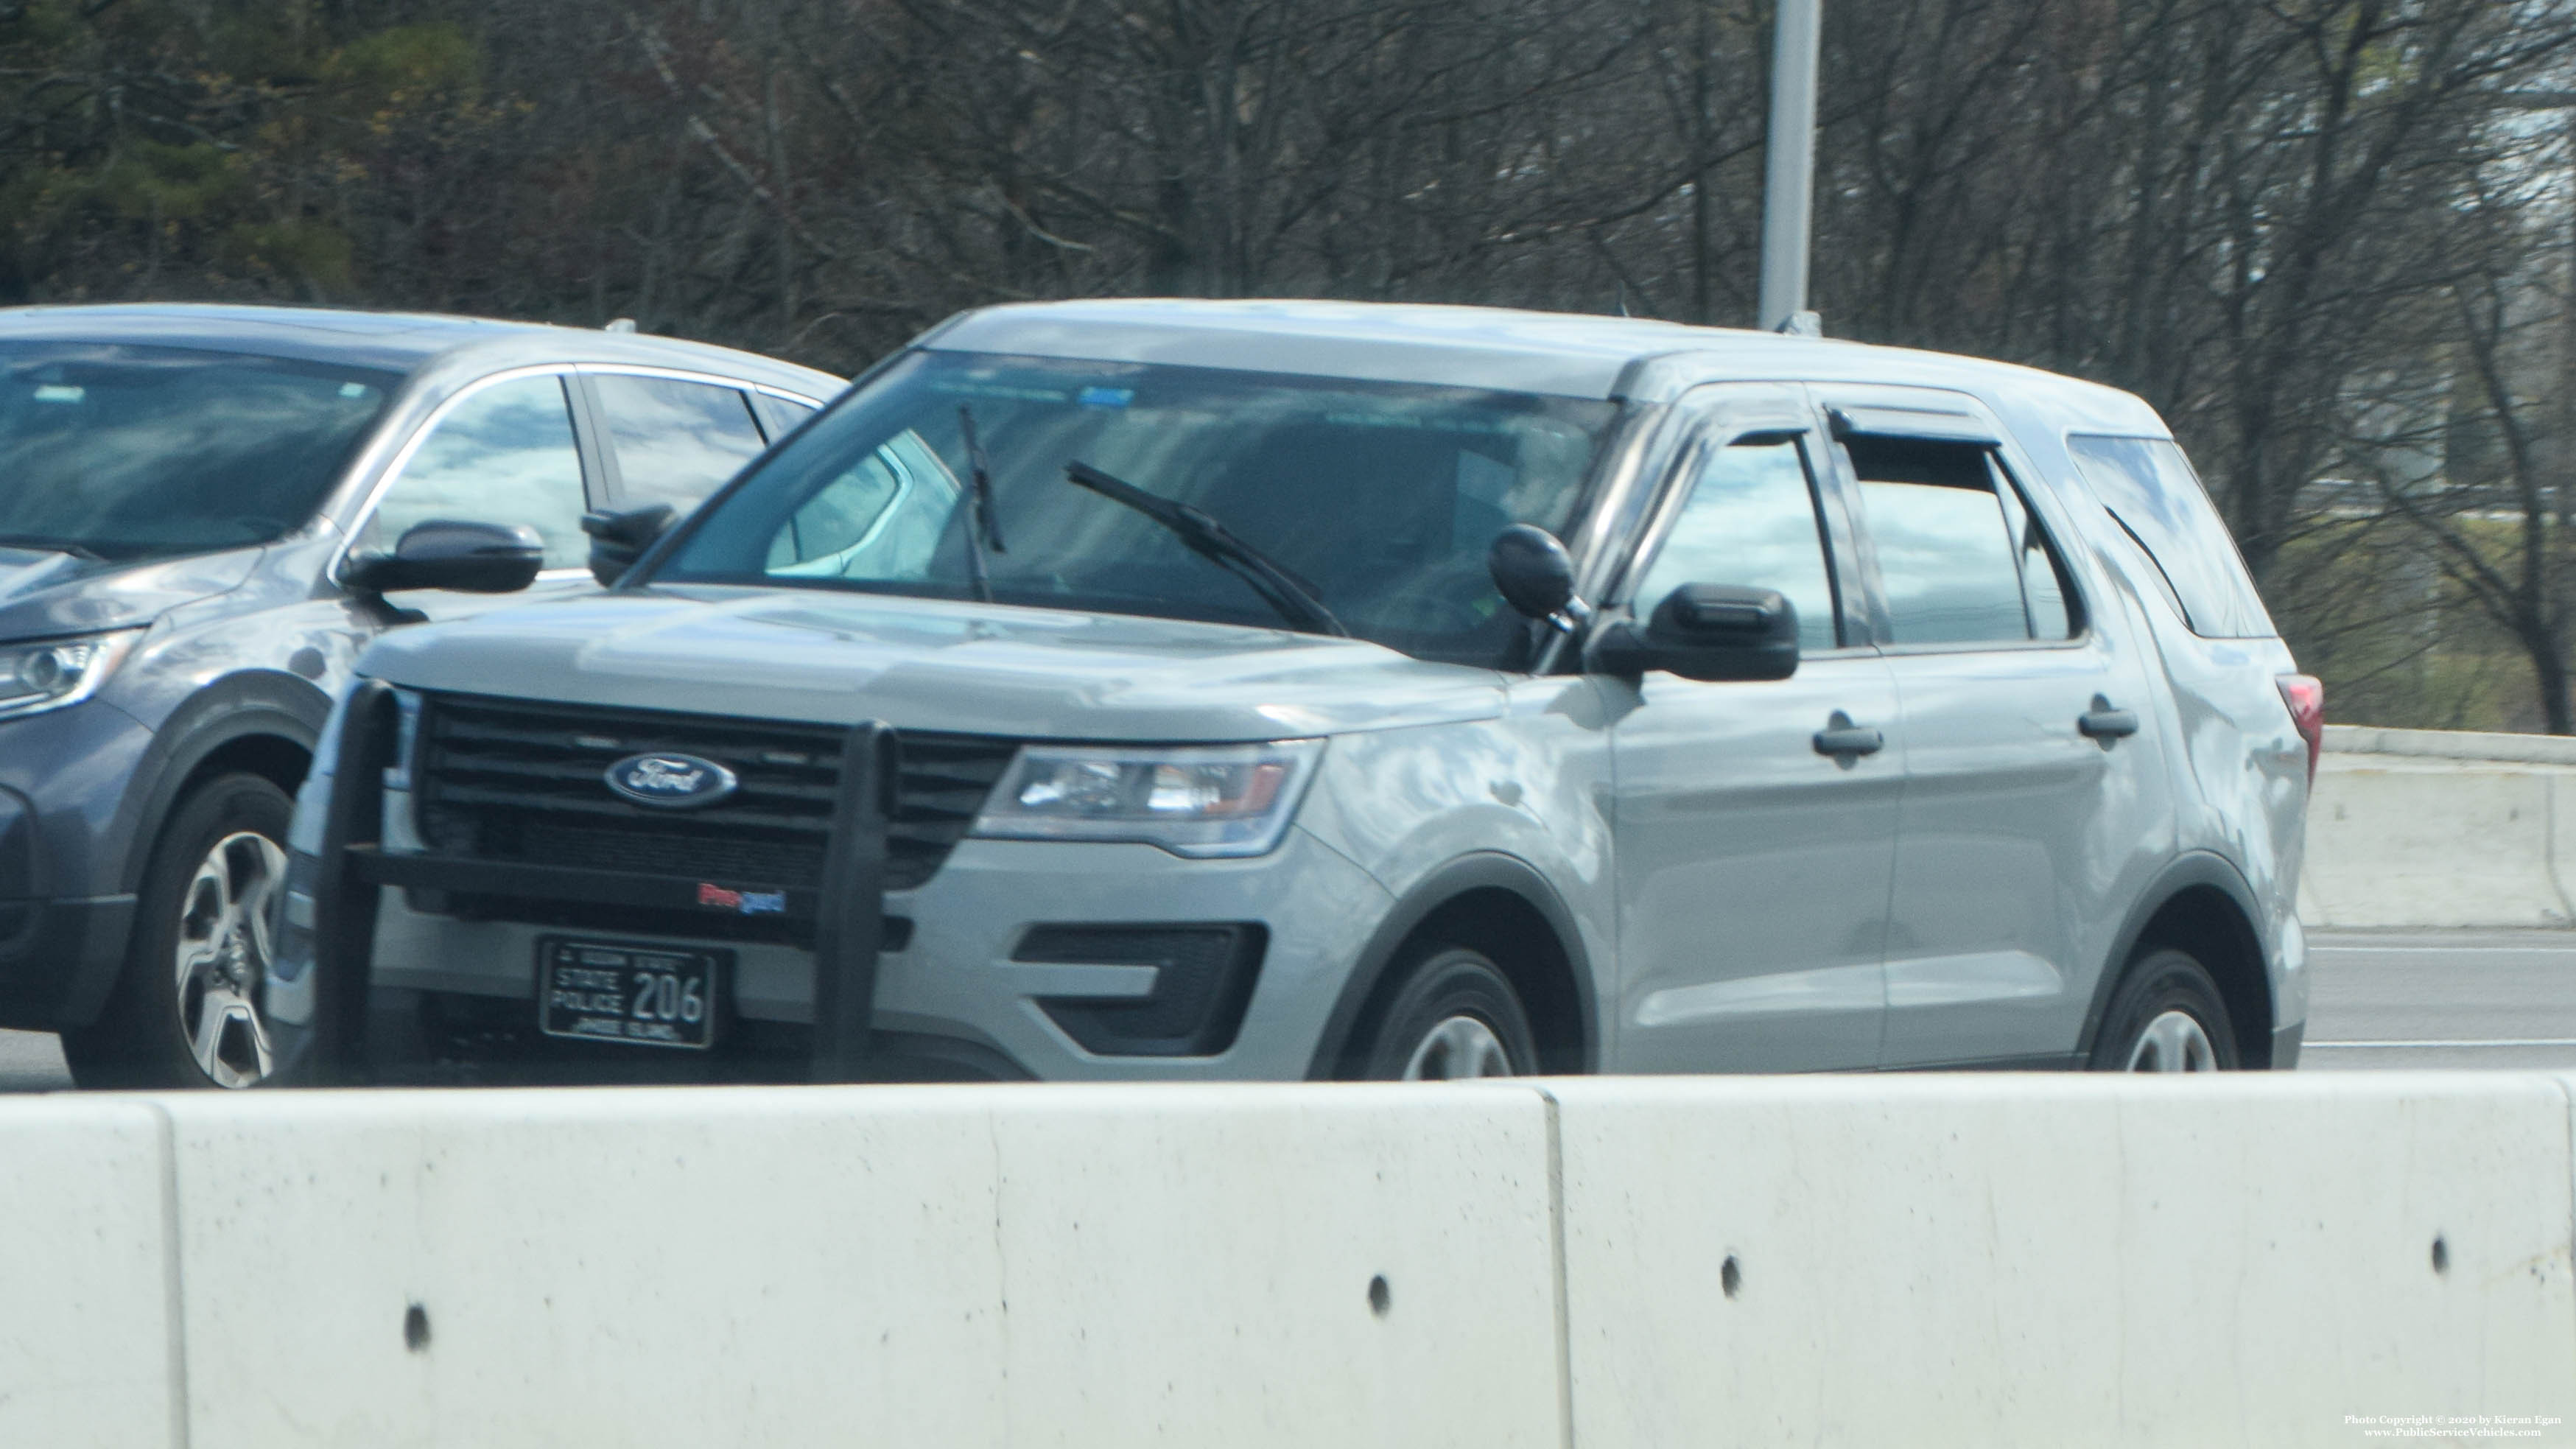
x,y
673,781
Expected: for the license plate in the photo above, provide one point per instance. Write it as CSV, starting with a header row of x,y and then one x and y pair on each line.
x,y
637,995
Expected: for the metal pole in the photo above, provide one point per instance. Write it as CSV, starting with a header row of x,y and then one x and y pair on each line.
x,y
1789,181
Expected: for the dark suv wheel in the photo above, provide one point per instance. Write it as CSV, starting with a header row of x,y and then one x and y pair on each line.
x,y
1453,1016
2166,1016
186,1010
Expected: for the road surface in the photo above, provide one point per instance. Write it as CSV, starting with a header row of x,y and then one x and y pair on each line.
x,y
2382,999
2442,999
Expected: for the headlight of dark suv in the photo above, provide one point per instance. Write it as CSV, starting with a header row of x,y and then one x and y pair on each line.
x,y
49,675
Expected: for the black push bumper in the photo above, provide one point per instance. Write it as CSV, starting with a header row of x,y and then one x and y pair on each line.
x,y
846,915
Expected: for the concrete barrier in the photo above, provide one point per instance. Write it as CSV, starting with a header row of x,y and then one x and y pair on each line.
x,y
1986,1260
2430,828
2062,1261
924,1266
89,1348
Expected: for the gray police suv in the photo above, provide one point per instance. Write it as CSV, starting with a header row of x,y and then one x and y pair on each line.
x,y
1159,689
205,513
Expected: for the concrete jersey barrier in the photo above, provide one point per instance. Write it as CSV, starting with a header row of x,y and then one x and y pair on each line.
x,y
90,1348
884,1266
1987,1260
2432,828
2063,1260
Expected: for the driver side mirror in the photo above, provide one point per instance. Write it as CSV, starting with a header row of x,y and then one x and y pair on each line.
x,y
1706,632
617,540
451,553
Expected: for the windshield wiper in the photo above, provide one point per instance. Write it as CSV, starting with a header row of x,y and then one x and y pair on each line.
x,y
983,526
52,545
1282,590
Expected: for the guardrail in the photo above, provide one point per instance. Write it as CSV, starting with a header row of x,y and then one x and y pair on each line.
x,y
2433,828
2037,1260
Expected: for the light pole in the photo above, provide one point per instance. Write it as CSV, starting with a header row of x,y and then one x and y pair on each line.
x,y
1789,167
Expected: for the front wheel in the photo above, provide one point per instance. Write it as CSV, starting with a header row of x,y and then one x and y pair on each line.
x,y
2166,1016
186,1010
1454,1016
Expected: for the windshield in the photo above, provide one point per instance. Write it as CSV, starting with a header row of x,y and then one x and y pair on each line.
x,y
1380,499
133,452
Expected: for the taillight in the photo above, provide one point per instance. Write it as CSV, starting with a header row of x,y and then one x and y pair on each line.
x,y
2305,694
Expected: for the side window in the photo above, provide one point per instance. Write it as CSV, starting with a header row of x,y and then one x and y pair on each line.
x,y
881,518
675,440
1959,557
778,416
2047,599
503,455
2151,491
1750,520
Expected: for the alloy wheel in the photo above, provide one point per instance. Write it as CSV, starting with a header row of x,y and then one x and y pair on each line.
x,y
223,956
1459,1047
2174,1042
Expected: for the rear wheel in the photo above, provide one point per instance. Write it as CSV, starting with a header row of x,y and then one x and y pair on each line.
x,y
186,1012
2166,1016
1454,1016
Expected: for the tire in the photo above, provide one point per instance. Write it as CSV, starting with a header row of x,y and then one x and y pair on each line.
x,y
185,1012
1453,1016
2166,1016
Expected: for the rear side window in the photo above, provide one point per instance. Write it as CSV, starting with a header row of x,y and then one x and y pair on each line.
x,y
2150,489
675,440
779,416
1960,559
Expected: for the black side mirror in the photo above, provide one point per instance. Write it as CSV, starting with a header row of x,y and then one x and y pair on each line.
x,y
617,540
1706,632
1534,575
450,553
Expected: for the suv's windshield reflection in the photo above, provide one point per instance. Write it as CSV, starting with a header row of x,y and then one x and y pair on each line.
x,y
1381,497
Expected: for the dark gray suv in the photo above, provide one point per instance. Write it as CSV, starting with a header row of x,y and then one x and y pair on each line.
x,y
205,513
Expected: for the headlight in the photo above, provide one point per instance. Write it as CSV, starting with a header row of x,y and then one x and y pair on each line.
x,y
39,677
1211,800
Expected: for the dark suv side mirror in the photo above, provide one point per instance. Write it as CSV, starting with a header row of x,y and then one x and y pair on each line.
x,y
617,540
452,553
1706,632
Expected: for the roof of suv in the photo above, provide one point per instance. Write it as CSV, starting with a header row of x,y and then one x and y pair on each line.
x,y
399,341
1560,353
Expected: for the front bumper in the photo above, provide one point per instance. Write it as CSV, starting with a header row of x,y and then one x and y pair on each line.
x,y
955,985
64,918
59,959
1015,958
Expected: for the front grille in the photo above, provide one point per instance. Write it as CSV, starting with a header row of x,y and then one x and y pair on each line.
x,y
506,779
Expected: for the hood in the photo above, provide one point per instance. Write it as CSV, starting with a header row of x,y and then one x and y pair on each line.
x,y
934,665
44,594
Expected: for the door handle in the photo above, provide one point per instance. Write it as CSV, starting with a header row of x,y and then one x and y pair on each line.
x,y
1843,740
2106,724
